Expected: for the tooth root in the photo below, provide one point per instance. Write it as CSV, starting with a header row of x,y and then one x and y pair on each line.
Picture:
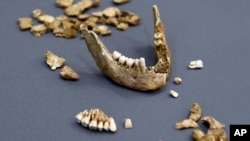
x,y
130,62
112,126
122,59
106,125
93,124
116,55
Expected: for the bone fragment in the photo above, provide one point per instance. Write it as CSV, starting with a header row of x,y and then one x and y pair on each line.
x,y
68,73
25,23
186,123
38,30
195,112
64,3
53,60
120,1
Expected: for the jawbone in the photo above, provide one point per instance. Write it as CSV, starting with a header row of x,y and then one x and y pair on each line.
x,y
133,73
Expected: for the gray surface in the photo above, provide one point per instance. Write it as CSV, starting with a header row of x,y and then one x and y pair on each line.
x,y
36,104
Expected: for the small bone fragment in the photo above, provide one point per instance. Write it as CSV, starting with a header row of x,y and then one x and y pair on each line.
x,y
83,16
38,30
128,123
186,123
102,30
78,7
177,80
173,93
196,64
96,119
122,26
25,23
120,1
111,11
68,73
69,33
129,17
215,131
53,60
64,3
195,112
36,13
46,19
97,14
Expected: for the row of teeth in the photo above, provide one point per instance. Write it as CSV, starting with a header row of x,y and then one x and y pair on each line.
x,y
94,124
129,61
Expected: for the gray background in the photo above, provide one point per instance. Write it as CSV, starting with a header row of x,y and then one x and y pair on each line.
x,y
36,104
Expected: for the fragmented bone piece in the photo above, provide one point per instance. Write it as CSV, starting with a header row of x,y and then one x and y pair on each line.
x,y
132,73
96,119
38,30
102,30
36,13
46,19
68,73
69,33
196,64
25,23
111,11
64,3
122,26
195,112
177,80
78,8
215,131
173,93
186,123
53,60
120,1
128,123
129,17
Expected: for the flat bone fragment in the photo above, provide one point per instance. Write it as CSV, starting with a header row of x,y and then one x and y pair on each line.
x,y
129,17
46,19
122,26
137,76
111,11
25,23
195,112
96,119
68,73
38,30
215,131
64,3
53,60
186,123
120,1
78,7
196,64
36,13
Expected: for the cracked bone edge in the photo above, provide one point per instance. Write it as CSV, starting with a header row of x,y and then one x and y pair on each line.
x,y
137,76
128,123
68,73
215,131
196,64
186,123
53,60
173,93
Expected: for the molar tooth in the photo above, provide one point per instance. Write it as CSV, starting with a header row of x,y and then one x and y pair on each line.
x,y
100,126
130,62
85,121
158,35
116,55
93,124
122,59
79,117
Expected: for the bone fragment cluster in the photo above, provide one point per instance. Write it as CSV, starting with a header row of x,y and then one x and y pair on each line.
x,y
75,18
215,131
96,119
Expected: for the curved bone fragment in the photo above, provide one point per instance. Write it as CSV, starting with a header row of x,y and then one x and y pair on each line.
x,y
133,73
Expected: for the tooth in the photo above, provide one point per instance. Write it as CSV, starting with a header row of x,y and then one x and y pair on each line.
x,y
112,126
130,62
93,124
116,55
142,62
79,117
122,59
85,121
100,126
139,77
106,125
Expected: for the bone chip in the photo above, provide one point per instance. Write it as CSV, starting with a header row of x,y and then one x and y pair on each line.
x,y
36,13
25,23
120,1
38,30
96,119
64,3
196,64
53,60
111,11
186,123
68,73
